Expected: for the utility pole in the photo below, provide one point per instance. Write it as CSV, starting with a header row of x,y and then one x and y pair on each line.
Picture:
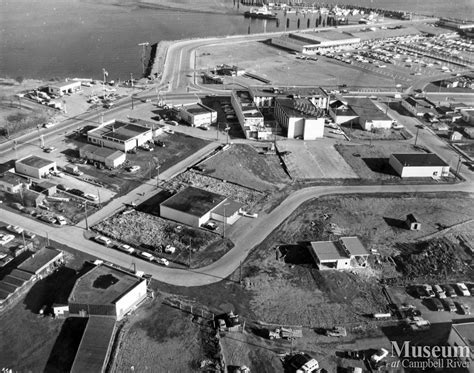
x,y
189,253
416,137
85,211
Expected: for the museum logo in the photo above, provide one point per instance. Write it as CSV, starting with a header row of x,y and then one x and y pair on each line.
x,y
430,357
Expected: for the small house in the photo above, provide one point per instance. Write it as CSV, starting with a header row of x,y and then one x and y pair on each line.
x,y
412,223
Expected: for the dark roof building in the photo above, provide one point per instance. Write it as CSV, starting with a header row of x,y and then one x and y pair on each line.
x,y
419,165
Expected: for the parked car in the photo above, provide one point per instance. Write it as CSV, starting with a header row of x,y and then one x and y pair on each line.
x,y
170,249
133,168
159,143
435,304
62,187
126,248
462,289
204,128
103,240
61,220
15,229
76,192
449,291
428,290
47,218
449,305
6,238
171,122
91,197
30,235
168,131
463,308
249,214
162,261
210,225
440,293
146,256
49,149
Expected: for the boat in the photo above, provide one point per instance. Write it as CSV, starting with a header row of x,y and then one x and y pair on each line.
x,y
263,13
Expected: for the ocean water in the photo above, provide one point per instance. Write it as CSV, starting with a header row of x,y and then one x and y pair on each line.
x,y
75,38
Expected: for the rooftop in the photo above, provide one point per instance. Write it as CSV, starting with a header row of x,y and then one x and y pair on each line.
x,y
119,130
92,353
101,151
327,250
102,285
287,91
230,207
40,259
354,246
46,184
197,109
466,330
365,108
194,201
299,107
37,162
323,36
12,178
419,159
64,84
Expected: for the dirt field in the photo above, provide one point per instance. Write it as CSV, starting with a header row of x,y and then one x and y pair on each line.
x,y
371,161
242,164
281,67
142,230
314,160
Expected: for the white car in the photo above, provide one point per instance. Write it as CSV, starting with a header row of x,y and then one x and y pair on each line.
x,y
168,131
61,220
15,229
146,256
91,197
6,238
103,240
249,214
463,289
162,261
126,248
133,168
170,249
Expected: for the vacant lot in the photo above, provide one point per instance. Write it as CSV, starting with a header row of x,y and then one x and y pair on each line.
x,y
149,232
314,160
371,161
244,165
250,198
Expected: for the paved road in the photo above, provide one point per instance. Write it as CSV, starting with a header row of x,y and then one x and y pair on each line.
x,y
246,237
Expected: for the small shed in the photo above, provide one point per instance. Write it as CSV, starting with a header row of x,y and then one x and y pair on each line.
x,y
412,223
60,310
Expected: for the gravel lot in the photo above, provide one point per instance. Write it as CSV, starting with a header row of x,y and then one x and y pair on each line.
x,y
314,160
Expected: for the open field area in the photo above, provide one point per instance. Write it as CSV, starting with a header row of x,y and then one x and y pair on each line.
x,y
281,67
371,161
242,164
314,160
144,231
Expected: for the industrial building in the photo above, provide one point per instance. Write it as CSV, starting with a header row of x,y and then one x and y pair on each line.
x,y
120,135
194,207
418,106
461,337
346,253
419,165
300,118
361,111
34,166
311,42
62,88
250,118
12,183
264,97
106,291
342,113
197,115
110,157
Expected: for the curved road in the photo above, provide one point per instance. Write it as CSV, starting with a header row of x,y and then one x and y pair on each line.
x,y
245,238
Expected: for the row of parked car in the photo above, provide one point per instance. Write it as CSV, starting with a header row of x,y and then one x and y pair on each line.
x,y
439,297
132,251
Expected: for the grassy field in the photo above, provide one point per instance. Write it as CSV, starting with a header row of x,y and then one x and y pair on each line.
x,y
242,164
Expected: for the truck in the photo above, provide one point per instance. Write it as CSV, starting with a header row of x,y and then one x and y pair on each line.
x,y
73,169
417,323
285,333
337,331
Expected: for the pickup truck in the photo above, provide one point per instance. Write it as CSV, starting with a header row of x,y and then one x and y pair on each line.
x,y
285,333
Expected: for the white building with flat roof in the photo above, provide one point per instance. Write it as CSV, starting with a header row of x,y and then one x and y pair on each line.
x,y
34,166
197,115
62,88
419,165
346,253
250,118
311,42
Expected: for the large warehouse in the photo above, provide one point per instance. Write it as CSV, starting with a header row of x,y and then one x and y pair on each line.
x,y
110,157
300,118
419,165
250,118
194,207
197,115
106,291
120,135
34,166
310,42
